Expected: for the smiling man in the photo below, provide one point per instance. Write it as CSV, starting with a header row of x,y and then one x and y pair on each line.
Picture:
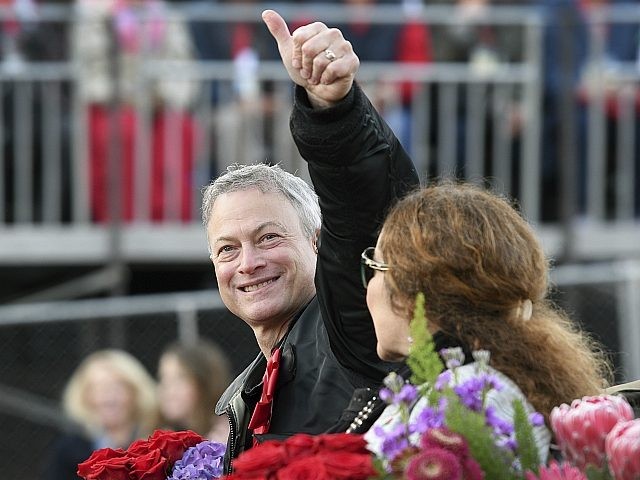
x,y
291,274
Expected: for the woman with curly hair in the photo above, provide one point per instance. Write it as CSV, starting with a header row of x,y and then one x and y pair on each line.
x,y
484,277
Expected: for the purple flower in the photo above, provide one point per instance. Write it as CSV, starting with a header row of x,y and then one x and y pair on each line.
x,y
398,392
536,419
471,393
443,380
499,426
453,357
394,441
202,462
408,394
493,383
429,418
386,395
508,443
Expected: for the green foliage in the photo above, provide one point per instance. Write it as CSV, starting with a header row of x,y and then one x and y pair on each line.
x,y
527,449
423,360
473,427
381,472
594,473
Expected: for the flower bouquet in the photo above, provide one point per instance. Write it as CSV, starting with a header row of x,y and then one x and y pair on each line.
x,y
165,455
441,426
302,456
456,434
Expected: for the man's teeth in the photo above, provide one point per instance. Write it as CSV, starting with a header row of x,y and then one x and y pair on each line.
x,y
252,288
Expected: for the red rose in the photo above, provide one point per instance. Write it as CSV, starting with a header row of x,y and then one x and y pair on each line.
x,y
172,445
307,468
261,459
105,464
150,466
139,447
344,442
300,445
248,476
348,465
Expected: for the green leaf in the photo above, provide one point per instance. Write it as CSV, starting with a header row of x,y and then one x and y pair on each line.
x,y
423,360
495,464
381,472
594,473
527,448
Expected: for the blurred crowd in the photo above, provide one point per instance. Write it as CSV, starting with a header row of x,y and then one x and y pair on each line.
x,y
111,397
113,400
111,39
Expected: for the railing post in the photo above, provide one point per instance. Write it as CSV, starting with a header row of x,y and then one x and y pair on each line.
x,y
530,183
629,318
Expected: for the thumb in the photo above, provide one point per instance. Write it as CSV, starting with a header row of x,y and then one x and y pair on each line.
x,y
278,27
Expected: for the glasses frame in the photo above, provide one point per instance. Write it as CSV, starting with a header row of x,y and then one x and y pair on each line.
x,y
367,261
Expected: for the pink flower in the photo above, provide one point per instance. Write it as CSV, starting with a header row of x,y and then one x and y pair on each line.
x,y
434,464
557,472
581,429
623,450
471,470
443,438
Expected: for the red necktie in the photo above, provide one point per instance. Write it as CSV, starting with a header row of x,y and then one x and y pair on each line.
x,y
261,418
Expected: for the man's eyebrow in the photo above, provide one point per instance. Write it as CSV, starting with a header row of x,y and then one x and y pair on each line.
x,y
270,224
260,227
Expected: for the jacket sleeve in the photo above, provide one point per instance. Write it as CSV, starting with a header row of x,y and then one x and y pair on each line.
x,y
358,169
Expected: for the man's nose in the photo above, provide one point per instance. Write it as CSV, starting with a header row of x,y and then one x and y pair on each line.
x,y
251,258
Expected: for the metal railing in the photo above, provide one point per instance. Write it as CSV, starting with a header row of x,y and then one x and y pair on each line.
x,y
41,344
458,122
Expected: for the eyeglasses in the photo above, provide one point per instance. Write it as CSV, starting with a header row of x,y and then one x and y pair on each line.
x,y
368,266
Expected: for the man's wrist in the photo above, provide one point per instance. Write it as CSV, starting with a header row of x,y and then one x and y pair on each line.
x,y
330,111
320,103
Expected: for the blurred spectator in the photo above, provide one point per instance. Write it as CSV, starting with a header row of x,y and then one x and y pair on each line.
x,y
473,39
408,42
571,71
245,105
26,36
192,377
112,397
120,36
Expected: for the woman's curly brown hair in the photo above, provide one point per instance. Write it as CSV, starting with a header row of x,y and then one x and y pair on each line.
x,y
476,260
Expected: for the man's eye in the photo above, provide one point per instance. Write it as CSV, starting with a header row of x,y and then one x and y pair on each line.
x,y
225,249
270,236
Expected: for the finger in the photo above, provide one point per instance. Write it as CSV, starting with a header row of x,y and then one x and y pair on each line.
x,y
306,45
334,48
276,25
342,68
322,63
279,30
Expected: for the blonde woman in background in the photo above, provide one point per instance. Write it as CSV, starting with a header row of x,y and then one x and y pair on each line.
x,y
192,378
112,398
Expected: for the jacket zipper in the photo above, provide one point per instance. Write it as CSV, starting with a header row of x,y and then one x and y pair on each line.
x,y
232,437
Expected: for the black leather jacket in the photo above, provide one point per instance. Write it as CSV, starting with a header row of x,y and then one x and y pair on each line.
x,y
358,169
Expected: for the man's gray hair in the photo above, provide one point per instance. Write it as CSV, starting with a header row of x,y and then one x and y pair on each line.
x,y
268,179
